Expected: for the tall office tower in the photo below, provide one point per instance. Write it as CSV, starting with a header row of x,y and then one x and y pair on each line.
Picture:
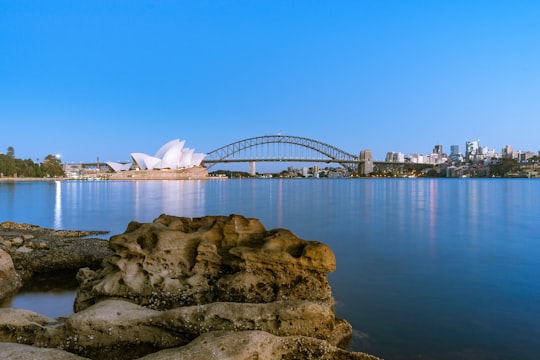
x,y
454,149
471,148
508,152
438,150
365,167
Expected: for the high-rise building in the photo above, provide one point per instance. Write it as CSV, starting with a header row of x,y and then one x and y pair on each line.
x,y
397,157
437,149
471,149
508,152
454,149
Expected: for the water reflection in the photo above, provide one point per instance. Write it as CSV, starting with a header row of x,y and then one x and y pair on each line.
x,y
430,268
58,206
433,211
280,204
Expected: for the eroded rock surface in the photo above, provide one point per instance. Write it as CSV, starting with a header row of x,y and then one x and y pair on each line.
x,y
10,280
24,352
247,345
180,261
36,250
217,287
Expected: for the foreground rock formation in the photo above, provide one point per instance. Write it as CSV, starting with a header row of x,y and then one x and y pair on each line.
x,y
39,251
207,288
10,280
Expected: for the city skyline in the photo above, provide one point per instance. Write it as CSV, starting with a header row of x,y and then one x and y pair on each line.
x,y
441,150
101,79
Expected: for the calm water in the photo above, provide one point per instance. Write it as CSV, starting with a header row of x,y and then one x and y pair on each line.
x,y
426,268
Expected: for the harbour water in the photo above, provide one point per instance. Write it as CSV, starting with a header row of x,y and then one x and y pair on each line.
x,y
426,268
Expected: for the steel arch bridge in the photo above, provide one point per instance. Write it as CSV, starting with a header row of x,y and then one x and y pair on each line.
x,y
276,148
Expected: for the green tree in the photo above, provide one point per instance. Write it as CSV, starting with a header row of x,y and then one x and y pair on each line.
x,y
51,166
503,167
7,165
27,168
11,152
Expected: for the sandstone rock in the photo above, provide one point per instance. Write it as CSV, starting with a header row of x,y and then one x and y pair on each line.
x,y
24,326
24,249
9,279
111,326
217,287
5,244
180,261
107,329
247,345
18,241
24,352
54,253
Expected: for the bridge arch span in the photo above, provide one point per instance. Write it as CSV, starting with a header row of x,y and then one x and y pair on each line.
x,y
256,149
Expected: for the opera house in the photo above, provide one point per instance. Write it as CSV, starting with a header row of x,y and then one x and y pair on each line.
x,y
171,161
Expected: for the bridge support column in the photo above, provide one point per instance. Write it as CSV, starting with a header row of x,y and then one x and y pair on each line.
x,y
252,169
365,167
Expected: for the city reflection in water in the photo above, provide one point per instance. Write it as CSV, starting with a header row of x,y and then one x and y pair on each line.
x,y
433,210
58,206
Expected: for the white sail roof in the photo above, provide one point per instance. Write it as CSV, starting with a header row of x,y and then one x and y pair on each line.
x,y
172,155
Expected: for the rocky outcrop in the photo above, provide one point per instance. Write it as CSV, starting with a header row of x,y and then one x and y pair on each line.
x,y
179,261
206,288
24,352
9,279
37,251
255,344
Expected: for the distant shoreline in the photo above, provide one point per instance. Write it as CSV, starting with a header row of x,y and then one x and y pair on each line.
x,y
17,179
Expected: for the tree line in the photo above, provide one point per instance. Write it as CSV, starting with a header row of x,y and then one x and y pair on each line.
x,y
10,166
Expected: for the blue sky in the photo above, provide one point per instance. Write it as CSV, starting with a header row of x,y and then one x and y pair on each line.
x,y
105,78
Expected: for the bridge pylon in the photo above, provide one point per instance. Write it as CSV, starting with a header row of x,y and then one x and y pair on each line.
x,y
365,166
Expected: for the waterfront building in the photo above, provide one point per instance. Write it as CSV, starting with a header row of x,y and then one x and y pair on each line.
x,y
418,159
524,156
171,156
471,149
396,157
508,152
